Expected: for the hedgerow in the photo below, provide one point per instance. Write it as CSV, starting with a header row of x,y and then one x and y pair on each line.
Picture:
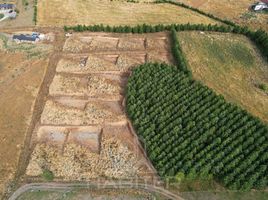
x,y
187,129
225,21
178,54
259,37
35,12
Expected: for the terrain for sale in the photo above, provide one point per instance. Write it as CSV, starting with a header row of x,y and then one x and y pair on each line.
x,y
237,11
65,12
22,68
83,132
231,65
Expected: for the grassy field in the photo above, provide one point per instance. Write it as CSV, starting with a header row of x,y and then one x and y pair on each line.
x,y
101,194
230,65
237,11
21,73
113,13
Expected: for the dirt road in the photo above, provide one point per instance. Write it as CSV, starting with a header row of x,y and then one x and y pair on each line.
x,y
104,185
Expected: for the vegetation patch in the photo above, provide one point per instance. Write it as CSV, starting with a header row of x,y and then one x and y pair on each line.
x,y
230,65
48,175
191,132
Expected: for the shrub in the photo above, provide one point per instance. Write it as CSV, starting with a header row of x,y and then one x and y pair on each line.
x,y
48,175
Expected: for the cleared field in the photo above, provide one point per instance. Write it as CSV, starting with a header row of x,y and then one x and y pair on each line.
x,y
84,132
21,73
113,13
230,65
237,11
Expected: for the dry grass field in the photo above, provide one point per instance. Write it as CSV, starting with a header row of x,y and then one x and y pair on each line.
x,y
67,12
237,11
230,65
21,73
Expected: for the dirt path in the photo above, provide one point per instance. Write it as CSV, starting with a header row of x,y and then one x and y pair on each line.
x,y
104,185
38,106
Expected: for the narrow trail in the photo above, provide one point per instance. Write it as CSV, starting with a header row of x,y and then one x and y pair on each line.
x,y
37,109
105,185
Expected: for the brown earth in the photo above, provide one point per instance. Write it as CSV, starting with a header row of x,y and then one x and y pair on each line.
x,y
237,11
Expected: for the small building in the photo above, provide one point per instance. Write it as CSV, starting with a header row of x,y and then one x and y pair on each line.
x,y
25,38
7,6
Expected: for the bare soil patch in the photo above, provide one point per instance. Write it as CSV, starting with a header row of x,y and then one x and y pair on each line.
x,y
115,160
90,85
131,43
93,113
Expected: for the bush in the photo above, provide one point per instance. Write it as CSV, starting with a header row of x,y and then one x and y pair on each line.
x,y
48,175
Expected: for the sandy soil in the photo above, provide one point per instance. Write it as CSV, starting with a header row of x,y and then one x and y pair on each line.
x,y
237,11
61,12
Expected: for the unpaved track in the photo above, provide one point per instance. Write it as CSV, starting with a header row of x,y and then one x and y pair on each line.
x,y
38,107
104,185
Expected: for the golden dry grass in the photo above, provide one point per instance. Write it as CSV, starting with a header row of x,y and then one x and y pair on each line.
x,y
237,11
20,80
230,65
69,12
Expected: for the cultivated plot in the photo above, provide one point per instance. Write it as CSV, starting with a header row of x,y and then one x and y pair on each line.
x,y
84,132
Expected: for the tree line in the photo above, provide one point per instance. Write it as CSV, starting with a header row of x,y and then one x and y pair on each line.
x,y
225,21
259,37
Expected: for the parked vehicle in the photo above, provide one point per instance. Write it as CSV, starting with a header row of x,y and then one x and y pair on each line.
x,y
260,6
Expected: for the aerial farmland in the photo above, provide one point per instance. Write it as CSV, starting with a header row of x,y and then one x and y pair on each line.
x,y
133,100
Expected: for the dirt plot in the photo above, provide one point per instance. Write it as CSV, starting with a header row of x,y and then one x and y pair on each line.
x,y
157,43
77,44
131,43
93,113
83,132
87,136
113,13
115,159
231,65
237,11
91,85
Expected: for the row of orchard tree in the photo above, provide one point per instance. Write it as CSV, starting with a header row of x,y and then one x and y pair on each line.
x,y
187,129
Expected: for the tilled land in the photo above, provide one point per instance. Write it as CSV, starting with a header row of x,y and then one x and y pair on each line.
x,y
83,132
